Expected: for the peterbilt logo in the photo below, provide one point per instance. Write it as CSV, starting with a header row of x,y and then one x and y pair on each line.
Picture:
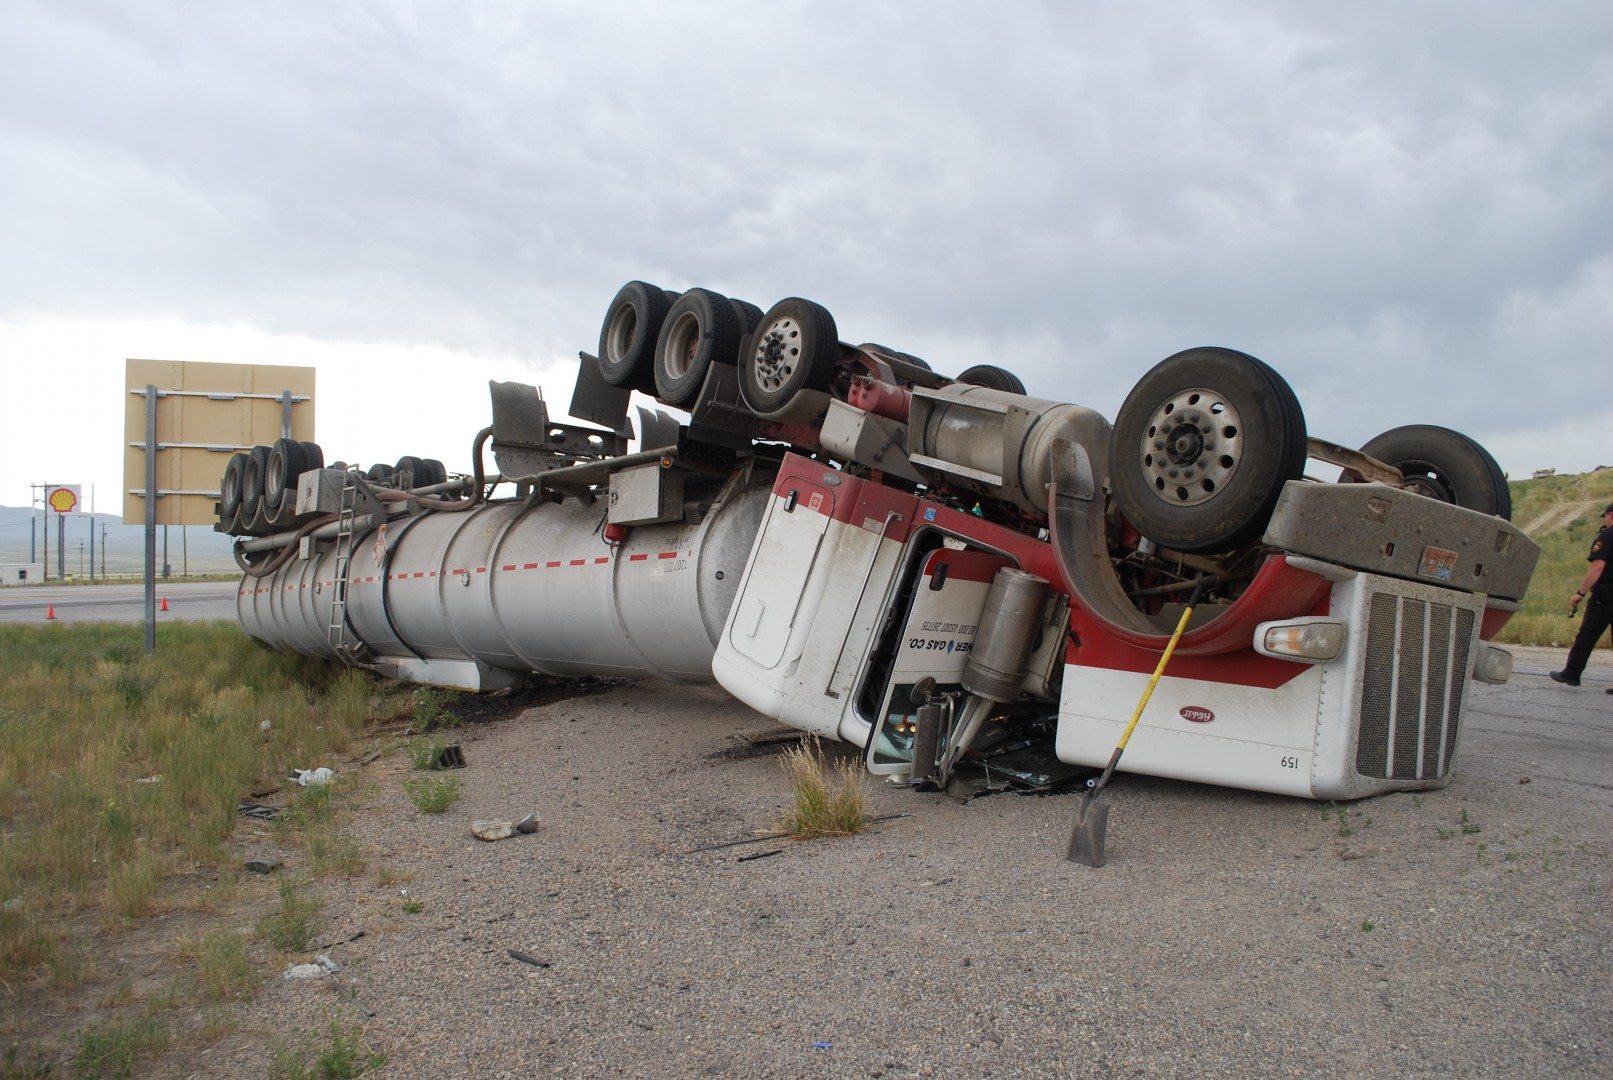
x,y
1196,714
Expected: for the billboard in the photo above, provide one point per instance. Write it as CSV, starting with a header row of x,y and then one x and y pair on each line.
x,y
205,413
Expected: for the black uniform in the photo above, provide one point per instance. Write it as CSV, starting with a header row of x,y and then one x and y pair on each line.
x,y
1598,607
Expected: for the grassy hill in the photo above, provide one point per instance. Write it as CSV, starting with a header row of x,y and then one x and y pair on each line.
x,y
1562,514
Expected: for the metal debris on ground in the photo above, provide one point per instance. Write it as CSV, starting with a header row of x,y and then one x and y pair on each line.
x,y
528,824
760,855
450,757
258,810
527,958
261,866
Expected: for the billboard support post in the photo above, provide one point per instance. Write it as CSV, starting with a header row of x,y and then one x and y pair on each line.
x,y
151,518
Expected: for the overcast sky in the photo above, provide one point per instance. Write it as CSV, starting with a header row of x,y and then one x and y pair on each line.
x,y
1406,209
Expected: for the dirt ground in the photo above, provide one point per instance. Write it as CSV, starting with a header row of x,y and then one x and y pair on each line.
x,y
1461,932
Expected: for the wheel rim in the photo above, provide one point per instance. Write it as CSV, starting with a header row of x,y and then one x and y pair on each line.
x,y
1191,447
1426,479
623,328
683,341
778,350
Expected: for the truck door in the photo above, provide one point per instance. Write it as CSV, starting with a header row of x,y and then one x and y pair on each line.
x,y
935,640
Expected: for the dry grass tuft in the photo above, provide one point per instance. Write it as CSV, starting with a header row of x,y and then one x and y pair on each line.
x,y
830,799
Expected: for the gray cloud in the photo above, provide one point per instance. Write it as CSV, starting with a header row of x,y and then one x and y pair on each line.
x,y
1404,210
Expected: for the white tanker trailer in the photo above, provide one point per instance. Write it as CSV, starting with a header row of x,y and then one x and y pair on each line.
x,y
839,533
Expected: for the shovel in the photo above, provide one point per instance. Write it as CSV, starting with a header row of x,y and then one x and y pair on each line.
x,y
1091,816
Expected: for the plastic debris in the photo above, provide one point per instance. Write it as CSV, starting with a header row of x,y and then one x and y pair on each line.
x,y
257,810
306,971
527,958
264,725
155,778
331,967
528,824
261,866
821,1045
313,777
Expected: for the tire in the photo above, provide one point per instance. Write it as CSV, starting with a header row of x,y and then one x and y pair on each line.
x,y
378,474
431,472
701,329
992,378
1196,490
1445,465
412,465
628,335
794,349
749,316
313,456
287,461
252,474
229,490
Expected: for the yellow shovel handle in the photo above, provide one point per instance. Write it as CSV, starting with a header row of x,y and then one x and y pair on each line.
x,y
1164,658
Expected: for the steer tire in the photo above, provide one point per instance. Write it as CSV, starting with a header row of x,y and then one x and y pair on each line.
x,y
1202,447
628,335
1445,465
701,329
794,348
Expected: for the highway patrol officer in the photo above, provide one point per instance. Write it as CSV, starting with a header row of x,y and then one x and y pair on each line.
x,y
1596,592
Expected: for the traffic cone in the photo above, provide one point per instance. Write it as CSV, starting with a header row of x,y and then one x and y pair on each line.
x,y
164,604
50,612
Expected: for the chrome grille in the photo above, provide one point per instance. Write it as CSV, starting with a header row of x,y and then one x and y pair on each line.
x,y
1411,687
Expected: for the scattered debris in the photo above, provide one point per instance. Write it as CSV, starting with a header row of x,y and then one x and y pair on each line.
x,y
313,777
306,971
354,936
264,725
450,757
1523,779
527,958
528,824
258,810
373,755
330,966
775,836
821,1045
153,779
492,830
766,736
272,789
760,855
261,866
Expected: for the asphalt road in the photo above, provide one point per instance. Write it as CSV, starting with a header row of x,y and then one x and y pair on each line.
x,y
187,600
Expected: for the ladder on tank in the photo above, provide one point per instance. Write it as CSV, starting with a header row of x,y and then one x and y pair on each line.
x,y
337,630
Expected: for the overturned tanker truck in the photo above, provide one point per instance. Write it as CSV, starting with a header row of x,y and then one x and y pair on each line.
x,y
838,533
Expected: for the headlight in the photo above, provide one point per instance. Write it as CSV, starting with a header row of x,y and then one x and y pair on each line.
x,y
1306,640
1492,665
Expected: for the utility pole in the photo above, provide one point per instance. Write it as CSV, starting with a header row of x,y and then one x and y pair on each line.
x,y
184,547
92,534
166,569
103,548
44,541
81,558
33,523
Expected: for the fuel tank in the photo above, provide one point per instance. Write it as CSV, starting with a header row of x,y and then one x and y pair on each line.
x,y
521,586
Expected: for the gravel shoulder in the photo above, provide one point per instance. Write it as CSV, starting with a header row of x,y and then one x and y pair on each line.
x,y
1230,933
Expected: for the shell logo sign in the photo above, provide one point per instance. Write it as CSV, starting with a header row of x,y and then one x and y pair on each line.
x,y
63,498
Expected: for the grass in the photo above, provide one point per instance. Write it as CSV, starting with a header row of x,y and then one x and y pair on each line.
x,y
830,799
413,907
1562,514
1468,827
110,1049
425,750
220,969
432,794
84,713
1367,926
431,712
334,1054
291,929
